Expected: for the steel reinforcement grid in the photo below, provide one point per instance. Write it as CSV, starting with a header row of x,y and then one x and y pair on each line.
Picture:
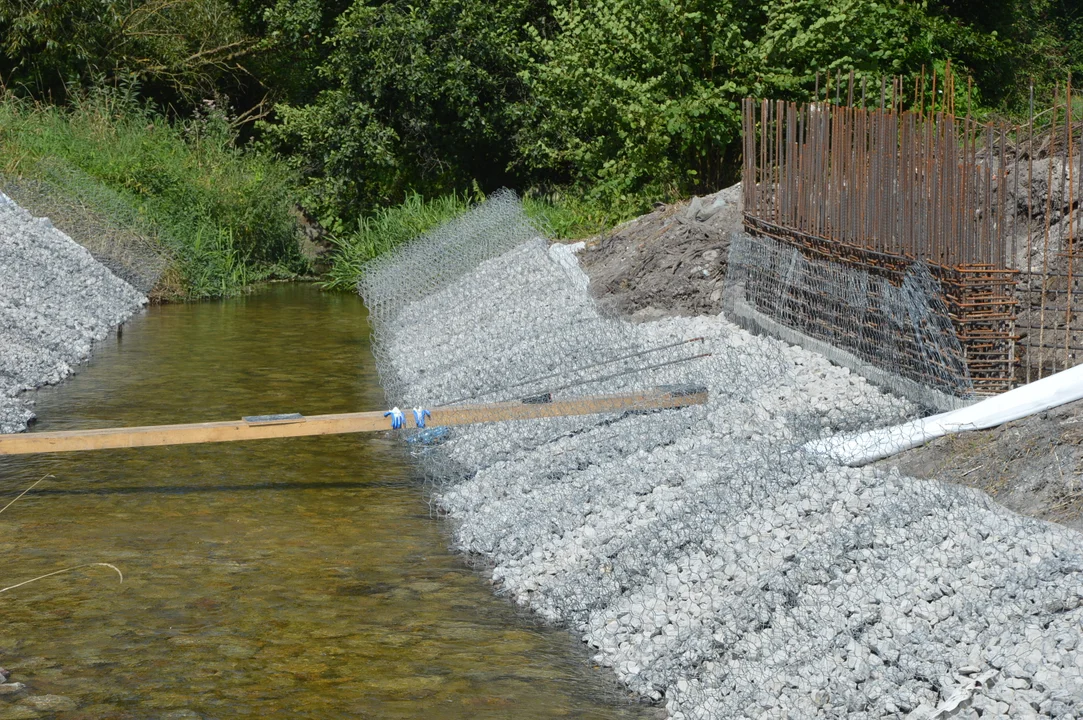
x,y
879,180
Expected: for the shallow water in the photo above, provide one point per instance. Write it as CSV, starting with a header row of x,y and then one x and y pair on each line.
x,y
279,578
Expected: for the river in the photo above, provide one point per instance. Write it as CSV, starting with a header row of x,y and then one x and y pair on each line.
x,y
299,578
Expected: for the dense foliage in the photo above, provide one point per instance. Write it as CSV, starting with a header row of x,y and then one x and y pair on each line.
x,y
416,96
618,102
178,50
623,100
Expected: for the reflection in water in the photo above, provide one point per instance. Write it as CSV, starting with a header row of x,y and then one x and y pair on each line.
x,y
278,578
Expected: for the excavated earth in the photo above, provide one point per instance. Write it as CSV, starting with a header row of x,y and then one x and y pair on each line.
x,y
671,261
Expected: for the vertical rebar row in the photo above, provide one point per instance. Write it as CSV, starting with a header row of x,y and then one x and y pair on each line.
x,y
926,187
1030,212
1068,243
1045,236
905,184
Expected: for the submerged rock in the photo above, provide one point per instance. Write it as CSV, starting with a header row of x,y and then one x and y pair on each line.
x,y
49,703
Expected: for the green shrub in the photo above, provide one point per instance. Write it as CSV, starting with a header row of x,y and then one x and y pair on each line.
x,y
180,51
414,97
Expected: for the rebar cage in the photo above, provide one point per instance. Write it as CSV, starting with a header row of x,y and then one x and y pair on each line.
x,y
989,208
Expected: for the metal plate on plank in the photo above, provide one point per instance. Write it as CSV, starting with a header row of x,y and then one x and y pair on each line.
x,y
279,419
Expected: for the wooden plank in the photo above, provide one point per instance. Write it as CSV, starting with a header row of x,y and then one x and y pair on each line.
x,y
362,422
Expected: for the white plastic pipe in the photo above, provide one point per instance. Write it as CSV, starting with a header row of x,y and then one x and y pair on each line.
x,y
861,448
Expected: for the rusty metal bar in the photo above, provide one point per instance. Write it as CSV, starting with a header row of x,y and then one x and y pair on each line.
x,y
882,187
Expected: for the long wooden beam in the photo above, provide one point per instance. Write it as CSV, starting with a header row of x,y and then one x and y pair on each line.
x,y
295,425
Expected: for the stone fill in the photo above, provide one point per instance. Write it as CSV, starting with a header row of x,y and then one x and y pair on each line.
x,y
56,300
714,566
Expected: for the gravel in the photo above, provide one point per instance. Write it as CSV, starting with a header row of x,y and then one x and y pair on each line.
x,y
56,301
702,556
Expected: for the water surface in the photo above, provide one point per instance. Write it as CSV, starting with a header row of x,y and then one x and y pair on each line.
x,y
299,578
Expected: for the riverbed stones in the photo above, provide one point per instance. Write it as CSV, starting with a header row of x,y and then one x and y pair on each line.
x,y
706,559
56,301
49,703
183,714
18,712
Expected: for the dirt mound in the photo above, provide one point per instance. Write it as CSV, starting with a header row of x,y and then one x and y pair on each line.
x,y
671,261
1033,466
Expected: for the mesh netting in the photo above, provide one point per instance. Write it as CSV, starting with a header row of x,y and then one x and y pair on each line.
x,y
481,310
701,553
899,336
100,220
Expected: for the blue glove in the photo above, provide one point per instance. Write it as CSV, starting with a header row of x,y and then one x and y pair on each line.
x,y
397,418
419,416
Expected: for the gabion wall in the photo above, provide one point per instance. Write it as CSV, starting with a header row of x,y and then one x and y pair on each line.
x,y
901,336
700,553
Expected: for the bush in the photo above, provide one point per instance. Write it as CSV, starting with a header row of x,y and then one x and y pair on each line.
x,y
180,50
418,97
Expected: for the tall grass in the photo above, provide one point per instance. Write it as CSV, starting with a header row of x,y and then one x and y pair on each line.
x,y
570,216
560,217
222,213
386,229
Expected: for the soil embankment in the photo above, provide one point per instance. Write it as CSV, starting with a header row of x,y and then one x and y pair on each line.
x,y
671,261
1033,466
56,301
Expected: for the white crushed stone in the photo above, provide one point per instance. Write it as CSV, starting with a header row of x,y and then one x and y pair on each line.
x,y
56,300
704,557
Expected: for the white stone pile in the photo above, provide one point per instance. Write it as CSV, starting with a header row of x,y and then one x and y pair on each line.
x,y
55,302
705,557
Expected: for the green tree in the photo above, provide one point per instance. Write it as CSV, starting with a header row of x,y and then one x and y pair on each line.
x,y
642,97
630,97
177,50
417,97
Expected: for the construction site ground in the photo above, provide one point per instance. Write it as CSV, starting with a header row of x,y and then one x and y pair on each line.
x,y
672,262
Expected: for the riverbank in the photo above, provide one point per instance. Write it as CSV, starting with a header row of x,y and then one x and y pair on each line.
x,y
178,208
714,565
56,301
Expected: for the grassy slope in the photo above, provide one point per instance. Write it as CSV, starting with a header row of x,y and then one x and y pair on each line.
x,y
221,214
560,217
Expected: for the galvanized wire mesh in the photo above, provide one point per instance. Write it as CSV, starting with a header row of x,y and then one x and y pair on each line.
x,y
702,553
900,336
56,301
96,218
493,263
